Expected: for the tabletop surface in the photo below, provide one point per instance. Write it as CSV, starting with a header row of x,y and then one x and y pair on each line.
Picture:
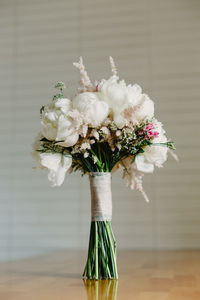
x,y
143,275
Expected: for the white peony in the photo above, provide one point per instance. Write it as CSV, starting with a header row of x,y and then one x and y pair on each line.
x,y
56,125
144,110
121,97
90,103
142,164
70,140
114,93
56,163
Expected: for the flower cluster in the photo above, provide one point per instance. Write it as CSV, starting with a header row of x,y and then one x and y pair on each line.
x,y
107,125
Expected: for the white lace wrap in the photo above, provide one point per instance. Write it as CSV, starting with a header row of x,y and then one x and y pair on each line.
x,y
101,196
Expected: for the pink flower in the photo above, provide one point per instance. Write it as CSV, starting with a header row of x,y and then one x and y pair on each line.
x,y
141,132
149,127
150,134
156,134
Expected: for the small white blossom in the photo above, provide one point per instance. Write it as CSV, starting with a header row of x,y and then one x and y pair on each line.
x,y
85,145
105,130
86,154
118,133
119,146
94,159
95,134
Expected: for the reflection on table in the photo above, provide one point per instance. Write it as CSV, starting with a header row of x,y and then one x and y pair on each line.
x,y
101,289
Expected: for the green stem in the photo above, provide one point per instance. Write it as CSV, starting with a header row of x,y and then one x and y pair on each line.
x,y
96,252
101,262
113,237
102,252
112,250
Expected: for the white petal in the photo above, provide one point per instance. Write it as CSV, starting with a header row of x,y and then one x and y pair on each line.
x,y
63,104
119,120
98,112
57,164
145,109
70,141
63,128
48,131
83,101
50,160
58,177
142,165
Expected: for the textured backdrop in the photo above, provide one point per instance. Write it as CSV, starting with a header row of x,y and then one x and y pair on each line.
x,y
154,43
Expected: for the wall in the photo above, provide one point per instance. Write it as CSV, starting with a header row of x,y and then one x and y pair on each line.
x,y
154,43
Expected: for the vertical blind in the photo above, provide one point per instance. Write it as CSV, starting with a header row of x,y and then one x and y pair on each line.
x,y
154,43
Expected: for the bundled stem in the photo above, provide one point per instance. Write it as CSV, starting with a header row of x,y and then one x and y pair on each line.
x,y
101,261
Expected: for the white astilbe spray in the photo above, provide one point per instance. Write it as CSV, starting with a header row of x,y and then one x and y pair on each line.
x,y
113,67
80,122
86,84
133,177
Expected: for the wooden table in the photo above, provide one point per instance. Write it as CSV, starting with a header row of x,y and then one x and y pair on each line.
x,y
143,275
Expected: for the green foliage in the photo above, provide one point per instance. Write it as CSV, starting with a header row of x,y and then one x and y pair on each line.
x,y
105,153
101,262
169,144
60,86
42,109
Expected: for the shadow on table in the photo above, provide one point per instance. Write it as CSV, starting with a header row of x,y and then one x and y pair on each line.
x,y
101,289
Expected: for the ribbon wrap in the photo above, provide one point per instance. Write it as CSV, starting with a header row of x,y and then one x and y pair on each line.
x,y
101,196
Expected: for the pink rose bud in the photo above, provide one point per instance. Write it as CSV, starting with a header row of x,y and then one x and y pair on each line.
x,y
156,134
149,127
150,134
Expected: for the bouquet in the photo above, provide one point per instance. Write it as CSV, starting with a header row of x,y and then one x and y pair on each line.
x,y
106,126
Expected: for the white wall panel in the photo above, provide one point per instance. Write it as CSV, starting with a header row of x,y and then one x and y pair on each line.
x,y
155,43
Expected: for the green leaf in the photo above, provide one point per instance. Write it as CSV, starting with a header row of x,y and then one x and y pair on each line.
x,y
60,85
42,109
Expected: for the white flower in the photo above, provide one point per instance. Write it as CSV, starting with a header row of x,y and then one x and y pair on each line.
x,y
92,141
118,133
133,176
56,124
85,145
144,110
70,140
86,154
56,163
105,130
121,97
57,166
95,159
54,119
95,134
142,164
154,154
89,103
